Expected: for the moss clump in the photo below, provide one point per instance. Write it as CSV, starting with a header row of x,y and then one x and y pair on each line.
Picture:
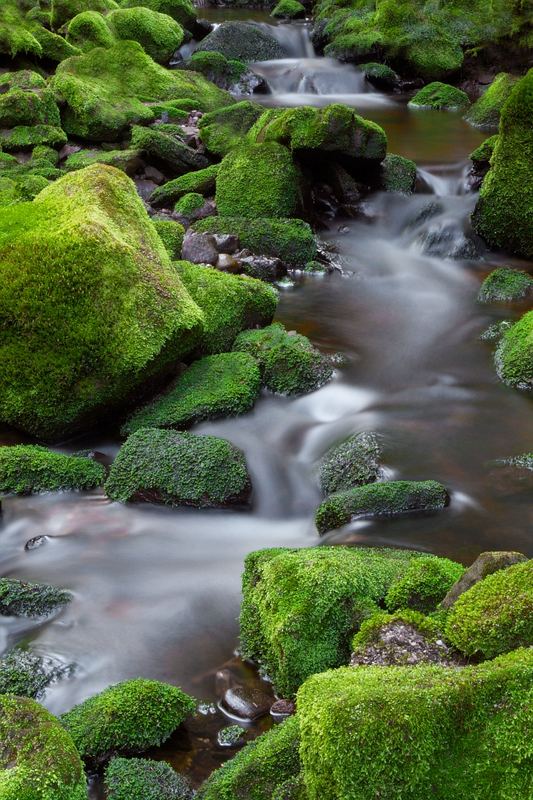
x,y
26,100
183,11
482,155
25,674
25,469
514,355
440,96
505,285
226,128
503,213
159,34
143,779
38,759
217,68
179,469
115,315
128,161
301,607
353,462
54,47
231,736
189,204
398,174
380,75
201,181
166,148
25,137
171,234
260,767
495,615
128,717
288,9
65,10
372,628
417,732
108,89
16,37
88,30
242,41
230,304
380,499
288,362
19,599
485,113
42,153
224,385
425,583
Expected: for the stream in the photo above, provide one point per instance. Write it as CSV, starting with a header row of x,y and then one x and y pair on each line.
x,y
156,590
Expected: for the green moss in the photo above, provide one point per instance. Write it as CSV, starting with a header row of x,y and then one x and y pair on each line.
x,y
439,95
189,204
223,385
183,11
16,38
65,10
301,607
226,128
231,736
503,212
143,779
495,615
167,149
24,137
514,355
353,462
230,304
19,599
398,174
217,68
372,628
25,469
425,583
379,74
171,234
288,9
53,46
107,89
201,181
178,469
44,153
418,732
38,759
483,153
485,113
89,29
385,499
289,363
95,311
259,768
242,41
29,187
26,100
26,674
126,160
505,285
159,34
128,717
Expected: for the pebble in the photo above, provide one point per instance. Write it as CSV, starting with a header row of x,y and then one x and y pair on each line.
x,y
245,703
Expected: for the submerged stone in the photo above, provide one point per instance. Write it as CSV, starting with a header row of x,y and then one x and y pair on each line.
x,y
26,674
353,462
144,779
380,75
25,469
246,703
21,599
505,285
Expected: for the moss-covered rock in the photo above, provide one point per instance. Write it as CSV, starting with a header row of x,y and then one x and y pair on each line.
x,y
25,469
54,47
179,469
143,779
189,205
380,75
222,385
88,30
301,607
485,564
201,181
242,41
129,161
398,174
353,462
25,99
495,615
290,240
288,361
129,717
226,128
100,104
503,213
259,769
64,10
380,499
20,599
288,9
485,112
417,732
482,155
16,37
224,72
159,34
424,584
166,149
26,674
26,137
183,11
514,355
505,285
171,234
439,96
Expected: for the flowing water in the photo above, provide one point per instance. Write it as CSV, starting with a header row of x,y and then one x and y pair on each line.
x,y
157,590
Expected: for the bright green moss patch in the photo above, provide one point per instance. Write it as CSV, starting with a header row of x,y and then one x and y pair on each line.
x,y
189,204
26,100
288,9
171,234
25,469
19,599
301,607
496,614
483,153
514,355
290,240
25,137
54,47
424,584
223,385
128,717
15,34
505,285
65,10
398,174
260,767
226,128
379,74
230,304
178,469
217,68
438,96
183,11
38,759
142,779
289,363
201,181
88,30
159,34
42,153
371,628
485,113
126,160
385,499
353,462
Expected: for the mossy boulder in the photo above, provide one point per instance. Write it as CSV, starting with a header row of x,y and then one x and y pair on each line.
x,y
482,154
242,41
495,615
160,35
353,462
503,212
20,599
424,584
25,469
53,46
129,160
289,363
25,99
505,285
485,564
398,174
116,313
166,149
223,385
129,717
26,674
380,75
65,10
143,779
224,72
485,112
171,234
288,9
26,137
301,607
226,128
99,103
417,732
380,499
189,205
88,30
16,37
290,240
178,468
183,11
201,181
514,355
440,96
38,759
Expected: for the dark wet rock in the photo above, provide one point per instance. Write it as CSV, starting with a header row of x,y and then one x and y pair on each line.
x,y
495,331
398,174
155,175
232,736
353,462
265,268
242,41
226,242
227,263
283,708
485,564
199,248
346,189
26,674
144,779
445,241
35,542
245,702
380,75
19,599
505,285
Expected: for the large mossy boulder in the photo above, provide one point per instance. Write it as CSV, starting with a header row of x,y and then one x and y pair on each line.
x,y
224,129
25,99
485,112
418,732
65,10
176,468
503,214
144,779
166,149
128,718
440,96
183,11
21,599
242,41
301,607
106,90
38,759
424,584
88,30
92,307
514,354
25,469
159,34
